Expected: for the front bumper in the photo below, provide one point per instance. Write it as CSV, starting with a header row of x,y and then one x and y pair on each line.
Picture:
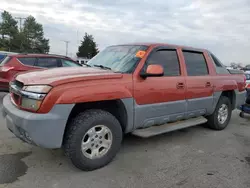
x,y
44,130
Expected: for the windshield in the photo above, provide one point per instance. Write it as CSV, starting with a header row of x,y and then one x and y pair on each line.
x,y
118,58
68,63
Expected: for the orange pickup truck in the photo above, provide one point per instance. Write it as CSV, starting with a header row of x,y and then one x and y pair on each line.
x,y
143,89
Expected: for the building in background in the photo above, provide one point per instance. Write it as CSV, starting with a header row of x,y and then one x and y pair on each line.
x,y
81,60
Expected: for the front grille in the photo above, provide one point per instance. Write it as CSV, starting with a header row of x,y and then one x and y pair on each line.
x,y
15,88
16,98
18,84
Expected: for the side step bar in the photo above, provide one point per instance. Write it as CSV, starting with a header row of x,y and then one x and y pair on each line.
x,y
160,129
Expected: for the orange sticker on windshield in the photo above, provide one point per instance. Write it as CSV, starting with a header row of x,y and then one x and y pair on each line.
x,y
140,54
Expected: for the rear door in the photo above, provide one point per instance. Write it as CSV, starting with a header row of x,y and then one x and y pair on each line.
x,y
160,100
199,91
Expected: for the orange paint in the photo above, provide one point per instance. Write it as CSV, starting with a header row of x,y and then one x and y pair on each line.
x,y
155,69
74,85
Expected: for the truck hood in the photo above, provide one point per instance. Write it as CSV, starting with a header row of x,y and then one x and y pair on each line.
x,y
59,76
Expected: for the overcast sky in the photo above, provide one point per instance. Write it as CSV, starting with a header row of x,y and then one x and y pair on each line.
x,y
222,26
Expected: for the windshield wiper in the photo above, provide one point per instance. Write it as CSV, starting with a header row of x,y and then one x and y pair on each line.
x,y
102,67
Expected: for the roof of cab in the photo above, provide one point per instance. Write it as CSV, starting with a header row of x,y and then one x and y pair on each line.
x,y
164,44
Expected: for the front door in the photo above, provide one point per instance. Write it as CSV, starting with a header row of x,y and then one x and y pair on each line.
x,y
159,100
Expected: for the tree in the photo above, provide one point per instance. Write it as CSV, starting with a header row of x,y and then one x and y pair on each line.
x,y
8,26
8,30
30,39
33,37
88,48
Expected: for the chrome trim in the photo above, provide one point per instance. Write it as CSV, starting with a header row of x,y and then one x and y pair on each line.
x,y
14,89
27,94
30,95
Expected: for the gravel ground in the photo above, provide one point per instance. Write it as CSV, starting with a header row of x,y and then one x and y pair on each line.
x,y
193,157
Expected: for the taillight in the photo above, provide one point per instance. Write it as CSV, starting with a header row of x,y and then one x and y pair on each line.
x,y
6,69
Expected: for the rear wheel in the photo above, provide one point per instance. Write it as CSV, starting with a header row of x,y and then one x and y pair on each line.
x,y
221,116
93,139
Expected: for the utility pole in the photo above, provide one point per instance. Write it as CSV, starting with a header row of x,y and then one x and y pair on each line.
x,y
77,42
20,21
67,43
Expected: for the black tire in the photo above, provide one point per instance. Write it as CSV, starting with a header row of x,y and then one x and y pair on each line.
x,y
79,126
213,121
242,115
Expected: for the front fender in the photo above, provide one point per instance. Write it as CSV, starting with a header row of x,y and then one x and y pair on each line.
x,y
80,92
91,94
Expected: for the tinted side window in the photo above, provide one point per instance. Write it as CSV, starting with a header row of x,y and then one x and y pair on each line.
x,y
27,60
168,59
195,63
219,67
216,61
47,62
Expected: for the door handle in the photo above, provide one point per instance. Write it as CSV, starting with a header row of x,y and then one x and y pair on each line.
x,y
208,84
180,85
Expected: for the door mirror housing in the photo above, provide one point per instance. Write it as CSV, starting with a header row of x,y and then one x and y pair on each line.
x,y
153,71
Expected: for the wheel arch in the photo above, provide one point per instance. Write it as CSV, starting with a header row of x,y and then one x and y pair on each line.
x,y
231,94
120,108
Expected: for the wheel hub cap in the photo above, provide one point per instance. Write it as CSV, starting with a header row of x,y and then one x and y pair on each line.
x,y
96,142
222,113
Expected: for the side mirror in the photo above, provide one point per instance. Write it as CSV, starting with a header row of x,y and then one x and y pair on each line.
x,y
153,71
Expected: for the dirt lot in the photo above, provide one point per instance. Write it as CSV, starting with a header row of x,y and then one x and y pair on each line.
x,y
194,157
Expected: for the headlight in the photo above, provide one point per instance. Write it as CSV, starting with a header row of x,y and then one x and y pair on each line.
x,y
30,104
32,96
42,89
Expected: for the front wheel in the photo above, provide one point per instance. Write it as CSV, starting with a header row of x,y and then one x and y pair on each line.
x,y
93,139
221,116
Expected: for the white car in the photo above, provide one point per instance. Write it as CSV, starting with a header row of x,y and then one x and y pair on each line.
x,y
247,74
